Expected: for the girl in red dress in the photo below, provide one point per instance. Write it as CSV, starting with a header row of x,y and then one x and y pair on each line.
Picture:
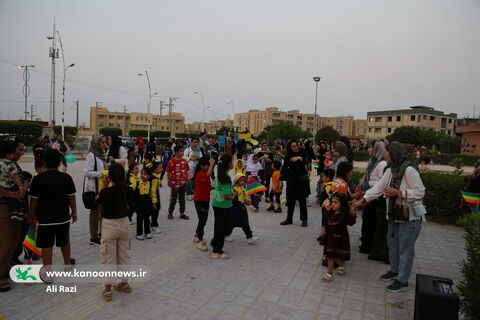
x,y
337,240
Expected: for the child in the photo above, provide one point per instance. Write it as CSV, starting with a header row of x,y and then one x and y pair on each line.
x,y
167,154
325,194
115,243
39,166
177,171
201,198
254,173
11,180
239,167
424,165
147,161
278,155
145,201
337,240
222,206
245,159
52,196
328,162
239,214
277,187
132,180
156,170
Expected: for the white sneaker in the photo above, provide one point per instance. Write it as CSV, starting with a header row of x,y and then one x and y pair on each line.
x,y
189,198
253,209
202,246
196,240
156,230
252,239
140,237
148,236
219,256
228,238
132,222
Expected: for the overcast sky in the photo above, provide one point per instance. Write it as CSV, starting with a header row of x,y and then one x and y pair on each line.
x,y
371,55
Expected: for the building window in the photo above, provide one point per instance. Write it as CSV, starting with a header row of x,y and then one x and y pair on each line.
x,y
100,124
432,118
389,130
378,119
378,130
412,118
399,118
119,125
369,129
389,119
111,117
299,117
424,117
110,124
275,115
449,120
310,118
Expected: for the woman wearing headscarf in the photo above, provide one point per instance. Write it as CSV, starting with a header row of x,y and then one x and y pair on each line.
x,y
403,188
373,173
116,151
320,154
340,153
349,148
63,148
294,172
93,171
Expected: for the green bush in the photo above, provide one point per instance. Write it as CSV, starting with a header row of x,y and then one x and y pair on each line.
x,y
470,285
361,156
108,131
160,134
20,128
446,158
136,133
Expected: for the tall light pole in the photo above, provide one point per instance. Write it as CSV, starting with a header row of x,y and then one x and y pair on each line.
x,y
26,88
317,80
204,107
65,68
149,99
52,53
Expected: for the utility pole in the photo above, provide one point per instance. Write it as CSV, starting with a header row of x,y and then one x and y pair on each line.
x,y
33,109
170,107
78,107
52,53
125,121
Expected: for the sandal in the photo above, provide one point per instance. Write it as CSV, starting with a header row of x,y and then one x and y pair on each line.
x,y
327,277
107,296
340,271
4,286
123,287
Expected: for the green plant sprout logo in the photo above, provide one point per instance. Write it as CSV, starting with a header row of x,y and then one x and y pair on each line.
x,y
23,275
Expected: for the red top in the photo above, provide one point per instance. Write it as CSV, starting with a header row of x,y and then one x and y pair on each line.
x,y
202,187
178,172
139,142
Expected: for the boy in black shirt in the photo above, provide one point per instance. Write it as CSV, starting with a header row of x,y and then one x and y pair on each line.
x,y
52,196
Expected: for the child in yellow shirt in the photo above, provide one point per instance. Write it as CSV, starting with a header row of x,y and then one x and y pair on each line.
x,y
239,214
239,167
145,199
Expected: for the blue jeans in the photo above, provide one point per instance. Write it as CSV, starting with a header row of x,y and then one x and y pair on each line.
x,y
401,239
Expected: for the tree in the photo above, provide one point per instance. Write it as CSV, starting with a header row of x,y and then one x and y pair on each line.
x,y
426,137
327,134
136,133
406,134
109,131
160,134
222,131
284,130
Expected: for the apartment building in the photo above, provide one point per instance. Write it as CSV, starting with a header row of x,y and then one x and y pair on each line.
x,y
382,123
101,117
256,120
209,127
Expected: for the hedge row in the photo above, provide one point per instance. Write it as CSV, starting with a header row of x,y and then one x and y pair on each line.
x,y
20,128
442,195
436,158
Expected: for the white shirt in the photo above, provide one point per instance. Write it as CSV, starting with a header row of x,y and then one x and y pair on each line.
x,y
91,174
192,164
377,173
412,189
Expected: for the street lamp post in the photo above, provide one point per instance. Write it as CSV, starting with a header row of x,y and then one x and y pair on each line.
x,y
26,88
52,53
317,80
149,100
204,107
65,68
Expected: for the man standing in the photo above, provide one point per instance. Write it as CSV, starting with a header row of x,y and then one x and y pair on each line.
x,y
139,142
266,159
192,154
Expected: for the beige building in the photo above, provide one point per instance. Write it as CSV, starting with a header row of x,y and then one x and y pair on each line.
x,y
100,117
209,127
256,120
382,123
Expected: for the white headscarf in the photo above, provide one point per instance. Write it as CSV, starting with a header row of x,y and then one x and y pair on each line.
x,y
253,168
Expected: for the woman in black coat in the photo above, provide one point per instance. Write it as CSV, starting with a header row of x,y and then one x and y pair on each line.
x,y
294,172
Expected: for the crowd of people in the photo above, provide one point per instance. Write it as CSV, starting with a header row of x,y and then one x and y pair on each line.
x,y
121,188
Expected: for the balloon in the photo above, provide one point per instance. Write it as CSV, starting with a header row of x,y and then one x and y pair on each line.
x,y
70,158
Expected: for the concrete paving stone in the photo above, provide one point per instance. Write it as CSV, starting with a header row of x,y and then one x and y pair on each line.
x,y
124,316
235,310
255,314
216,304
205,314
174,316
332,300
330,310
227,296
303,315
353,304
244,301
224,316
375,308
371,316
351,314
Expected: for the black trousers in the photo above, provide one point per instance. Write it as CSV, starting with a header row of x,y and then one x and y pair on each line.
x,y
369,221
174,195
276,195
163,172
143,208
379,248
267,185
154,217
19,249
239,218
291,199
202,213
221,227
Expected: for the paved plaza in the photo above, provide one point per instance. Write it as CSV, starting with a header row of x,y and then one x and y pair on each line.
x,y
279,277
